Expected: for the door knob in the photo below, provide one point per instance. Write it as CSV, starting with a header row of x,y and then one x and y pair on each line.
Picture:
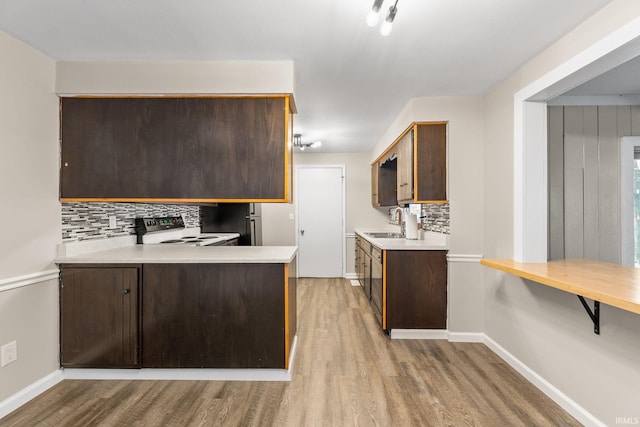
x,y
125,292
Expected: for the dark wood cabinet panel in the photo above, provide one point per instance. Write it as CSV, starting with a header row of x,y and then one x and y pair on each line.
x,y
416,289
214,315
291,309
99,316
431,158
175,149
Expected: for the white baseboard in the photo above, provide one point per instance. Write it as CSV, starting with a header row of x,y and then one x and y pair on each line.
x,y
350,276
26,394
418,334
564,401
473,337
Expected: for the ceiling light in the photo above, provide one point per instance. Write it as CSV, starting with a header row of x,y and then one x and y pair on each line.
x,y
385,28
297,142
374,13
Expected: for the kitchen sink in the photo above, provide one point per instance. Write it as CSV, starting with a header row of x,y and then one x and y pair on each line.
x,y
385,235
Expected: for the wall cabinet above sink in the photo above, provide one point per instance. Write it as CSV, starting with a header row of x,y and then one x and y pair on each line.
x,y
176,149
417,160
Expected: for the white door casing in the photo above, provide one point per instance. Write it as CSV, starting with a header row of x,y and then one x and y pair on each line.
x,y
627,147
320,220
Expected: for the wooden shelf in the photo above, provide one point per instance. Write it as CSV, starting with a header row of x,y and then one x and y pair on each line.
x,y
612,284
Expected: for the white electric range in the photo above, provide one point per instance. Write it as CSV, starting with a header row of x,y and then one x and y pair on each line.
x,y
171,230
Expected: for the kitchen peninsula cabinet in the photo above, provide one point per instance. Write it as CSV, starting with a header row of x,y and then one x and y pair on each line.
x,y
99,316
172,306
418,159
176,149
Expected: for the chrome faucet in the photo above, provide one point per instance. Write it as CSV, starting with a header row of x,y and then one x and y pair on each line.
x,y
398,213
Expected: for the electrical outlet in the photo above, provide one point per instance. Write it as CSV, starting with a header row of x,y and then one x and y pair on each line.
x,y
9,353
290,216
113,222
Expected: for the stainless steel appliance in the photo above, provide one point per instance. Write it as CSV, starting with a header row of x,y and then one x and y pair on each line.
x,y
171,230
242,218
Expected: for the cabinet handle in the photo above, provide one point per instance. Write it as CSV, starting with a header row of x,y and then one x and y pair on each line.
x,y
125,292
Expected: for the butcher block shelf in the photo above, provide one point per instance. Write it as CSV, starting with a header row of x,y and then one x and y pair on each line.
x,y
612,284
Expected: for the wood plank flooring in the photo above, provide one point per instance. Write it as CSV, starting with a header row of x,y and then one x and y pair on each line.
x,y
346,373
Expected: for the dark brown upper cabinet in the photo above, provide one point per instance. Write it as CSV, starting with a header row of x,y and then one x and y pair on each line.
x,y
176,149
414,166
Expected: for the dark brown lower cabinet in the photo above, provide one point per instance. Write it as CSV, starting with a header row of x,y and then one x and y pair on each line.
x,y
99,316
187,316
216,316
416,290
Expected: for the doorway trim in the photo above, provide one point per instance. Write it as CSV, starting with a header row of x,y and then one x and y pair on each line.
x,y
627,235
343,210
530,193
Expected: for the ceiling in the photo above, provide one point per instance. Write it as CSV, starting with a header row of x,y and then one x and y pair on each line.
x,y
351,82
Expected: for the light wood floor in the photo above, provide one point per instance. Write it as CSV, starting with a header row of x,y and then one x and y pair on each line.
x,y
347,373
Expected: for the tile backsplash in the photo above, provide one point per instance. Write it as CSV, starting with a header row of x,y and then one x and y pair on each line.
x,y
435,217
87,221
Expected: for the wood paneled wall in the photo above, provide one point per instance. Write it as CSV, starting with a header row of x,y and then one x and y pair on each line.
x,y
584,179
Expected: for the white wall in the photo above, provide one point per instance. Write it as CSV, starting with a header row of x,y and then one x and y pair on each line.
x,y
29,194
465,190
548,329
183,77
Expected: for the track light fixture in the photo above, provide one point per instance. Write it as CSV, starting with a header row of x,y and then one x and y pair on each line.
x,y
297,142
374,13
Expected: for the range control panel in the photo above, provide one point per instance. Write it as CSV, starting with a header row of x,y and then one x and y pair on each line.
x,y
149,225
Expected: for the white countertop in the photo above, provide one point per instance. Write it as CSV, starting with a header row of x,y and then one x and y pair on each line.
x,y
432,241
166,254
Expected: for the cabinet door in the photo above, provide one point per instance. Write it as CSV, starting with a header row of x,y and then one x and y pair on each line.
x,y
431,158
374,185
356,262
416,286
387,182
405,169
366,265
175,149
376,282
99,317
213,316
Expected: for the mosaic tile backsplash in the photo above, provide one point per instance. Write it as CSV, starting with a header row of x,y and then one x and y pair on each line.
x,y
87,221
436,217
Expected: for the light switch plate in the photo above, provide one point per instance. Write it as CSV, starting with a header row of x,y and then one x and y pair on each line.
x,y
113,222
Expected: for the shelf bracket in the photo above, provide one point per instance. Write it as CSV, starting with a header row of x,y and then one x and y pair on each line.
x,y
594,315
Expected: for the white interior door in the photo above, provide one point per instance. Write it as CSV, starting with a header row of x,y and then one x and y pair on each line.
x,y
320,206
